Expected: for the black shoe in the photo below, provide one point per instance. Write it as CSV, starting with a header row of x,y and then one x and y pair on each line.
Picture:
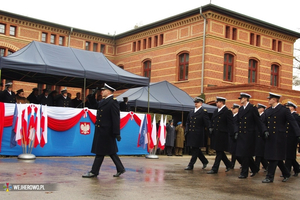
x,y
241,176
89,175
253,174
285,179
204,165
296,174
119,173
188,168
228,169
266,180
212,172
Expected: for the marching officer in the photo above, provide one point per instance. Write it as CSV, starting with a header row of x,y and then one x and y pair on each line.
x,y
222,127
196,122
277,117
247,121
292,141
260,142
107,130
7,95
232,140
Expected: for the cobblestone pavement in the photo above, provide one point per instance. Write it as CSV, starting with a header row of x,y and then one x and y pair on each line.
x,y
163,178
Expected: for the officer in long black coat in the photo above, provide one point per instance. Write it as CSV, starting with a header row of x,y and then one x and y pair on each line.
x,y
222,127
7,95
124,105
62,100
260,141
292,141
197,121
248,121
277,117
232,140
107,130
33,96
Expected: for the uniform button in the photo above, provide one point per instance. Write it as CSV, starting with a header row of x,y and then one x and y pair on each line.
x,y
98,126
274,127
274,117
287,132
268,122
268,127
218,121
245,122
99,120
240,127
100,115
268,117
245,117
274,122
273,131
287,127
219,117
240,122
245,127
240,131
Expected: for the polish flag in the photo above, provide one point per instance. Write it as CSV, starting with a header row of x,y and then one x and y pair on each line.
x,y
24,131
153,134
31,130
161,134
18,128
44,125
37,127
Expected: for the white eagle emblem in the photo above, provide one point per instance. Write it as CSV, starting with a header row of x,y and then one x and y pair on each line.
x,y
85,128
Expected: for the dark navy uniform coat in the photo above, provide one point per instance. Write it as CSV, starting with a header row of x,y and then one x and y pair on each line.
x,y
260,141
248,121
276,121
222,124
195,128
292,138
107,126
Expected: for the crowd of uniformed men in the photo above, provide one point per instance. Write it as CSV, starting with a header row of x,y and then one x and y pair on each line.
x,y
53,98
270,134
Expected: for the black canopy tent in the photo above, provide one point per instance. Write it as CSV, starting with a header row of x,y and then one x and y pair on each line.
x,y
164,98
58,65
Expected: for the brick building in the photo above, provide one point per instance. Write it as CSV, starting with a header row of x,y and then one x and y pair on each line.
x,y
209,51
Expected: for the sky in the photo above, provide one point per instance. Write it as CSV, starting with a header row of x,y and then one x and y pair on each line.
x,y
118,16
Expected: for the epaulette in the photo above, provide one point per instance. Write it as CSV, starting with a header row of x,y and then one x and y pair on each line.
x,y
205,110
254,105
115,98
298,114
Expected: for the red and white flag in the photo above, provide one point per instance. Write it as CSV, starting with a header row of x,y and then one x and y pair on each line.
x,y
18,128
31,126
153,134
37,127
161,134
44,125
24,131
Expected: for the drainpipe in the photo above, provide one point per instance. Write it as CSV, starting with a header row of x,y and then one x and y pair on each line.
x,y
70,36
203,50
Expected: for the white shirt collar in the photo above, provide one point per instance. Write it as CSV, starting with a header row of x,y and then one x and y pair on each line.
x,y
246,105
221,108
196,109
275,106
108,96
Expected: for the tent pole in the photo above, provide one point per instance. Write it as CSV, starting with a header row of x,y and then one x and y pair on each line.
x,y
84,88
148,97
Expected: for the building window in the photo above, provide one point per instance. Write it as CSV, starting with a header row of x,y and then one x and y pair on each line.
x,y
252,71
2,51
155,41
147,68
183,67
121,66
274,75
252,38
61,40
228,67
258,40
102,48
234,33
227,32
95,47
9,52
134,46
2,28
12,30
44,37
161,40
274,45
144,43
52,39
279,46
87,45
149,42
139,45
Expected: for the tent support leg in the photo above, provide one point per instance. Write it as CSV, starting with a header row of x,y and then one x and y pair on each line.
x,y
84,89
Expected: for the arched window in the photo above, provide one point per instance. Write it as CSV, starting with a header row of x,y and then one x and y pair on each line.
x,y
5,51
274,75
147,68
228,67
252,71
183,67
